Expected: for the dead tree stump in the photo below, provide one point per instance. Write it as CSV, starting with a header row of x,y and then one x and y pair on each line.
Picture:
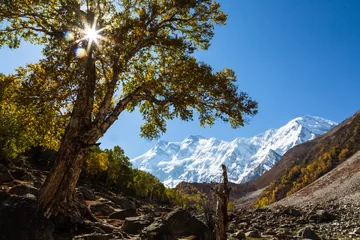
x,y
222,191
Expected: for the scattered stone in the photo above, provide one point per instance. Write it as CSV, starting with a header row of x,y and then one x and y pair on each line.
x,y
254,234
5,175
321,216
239,235
291,211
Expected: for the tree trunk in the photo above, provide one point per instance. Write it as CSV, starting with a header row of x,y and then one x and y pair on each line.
x,y
57,194
223,192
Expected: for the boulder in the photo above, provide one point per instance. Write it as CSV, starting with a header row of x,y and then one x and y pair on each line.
x,y
122,214
87,193
177,224
155,231
23,190
134,225
126,204
182,223
5,175
22,218
102,209
309,233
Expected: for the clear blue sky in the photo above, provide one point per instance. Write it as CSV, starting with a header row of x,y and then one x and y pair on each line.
x,y
294,57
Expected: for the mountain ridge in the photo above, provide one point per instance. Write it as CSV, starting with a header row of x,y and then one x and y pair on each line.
x,y
198,159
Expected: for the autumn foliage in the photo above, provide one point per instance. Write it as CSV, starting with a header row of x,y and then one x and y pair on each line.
x,y
325,156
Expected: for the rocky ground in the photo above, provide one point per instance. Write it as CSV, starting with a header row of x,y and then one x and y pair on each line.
x,y
120,217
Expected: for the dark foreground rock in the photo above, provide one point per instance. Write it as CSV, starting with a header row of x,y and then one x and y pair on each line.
x,y
177,224
21,218
5,175
23,190
87,193
134,225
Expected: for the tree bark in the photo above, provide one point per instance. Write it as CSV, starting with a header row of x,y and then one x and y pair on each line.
x,y
57,194
223,192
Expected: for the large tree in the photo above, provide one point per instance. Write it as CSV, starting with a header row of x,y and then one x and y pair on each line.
x,y
102,57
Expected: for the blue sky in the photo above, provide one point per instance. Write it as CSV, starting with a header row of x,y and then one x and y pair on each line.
x,y
296,58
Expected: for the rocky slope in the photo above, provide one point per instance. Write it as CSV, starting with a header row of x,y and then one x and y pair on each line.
x,y
198,159
119,217
340,185
307,162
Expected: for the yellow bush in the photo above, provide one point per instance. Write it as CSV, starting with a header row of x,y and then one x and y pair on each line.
x,y
97,162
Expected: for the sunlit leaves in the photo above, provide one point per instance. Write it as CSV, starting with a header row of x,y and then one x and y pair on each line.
x,y
146,61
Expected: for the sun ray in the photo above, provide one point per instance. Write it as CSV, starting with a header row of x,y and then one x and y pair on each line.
x,y
91,34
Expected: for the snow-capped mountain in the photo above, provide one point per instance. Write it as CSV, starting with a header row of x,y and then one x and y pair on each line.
x,y
199,159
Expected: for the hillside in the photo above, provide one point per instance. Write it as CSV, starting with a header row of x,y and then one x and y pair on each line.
x,y
340,184
198,159
307,162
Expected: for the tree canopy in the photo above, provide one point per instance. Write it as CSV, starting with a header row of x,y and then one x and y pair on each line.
x,y
143,59
102,57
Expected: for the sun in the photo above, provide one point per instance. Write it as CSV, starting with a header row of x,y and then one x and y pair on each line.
x,y
92,34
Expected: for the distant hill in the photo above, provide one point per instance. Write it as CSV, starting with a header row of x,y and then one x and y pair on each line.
x,y
340,184
198,159
309,161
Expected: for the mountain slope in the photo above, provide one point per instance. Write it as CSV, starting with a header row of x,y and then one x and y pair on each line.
x,y
307,162
340,183
198,159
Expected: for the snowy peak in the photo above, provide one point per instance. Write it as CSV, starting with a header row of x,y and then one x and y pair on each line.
x,y
198,159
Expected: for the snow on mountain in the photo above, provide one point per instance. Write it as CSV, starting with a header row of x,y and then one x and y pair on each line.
x,y
199,159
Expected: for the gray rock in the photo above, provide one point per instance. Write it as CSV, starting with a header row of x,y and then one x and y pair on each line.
x,y
307,232
134,225
175,225
182,223
23,190
122,214
87,193
126,203
102,209
5,175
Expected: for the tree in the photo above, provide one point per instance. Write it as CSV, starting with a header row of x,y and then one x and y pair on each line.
x,y
128,54
222,191
24,126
